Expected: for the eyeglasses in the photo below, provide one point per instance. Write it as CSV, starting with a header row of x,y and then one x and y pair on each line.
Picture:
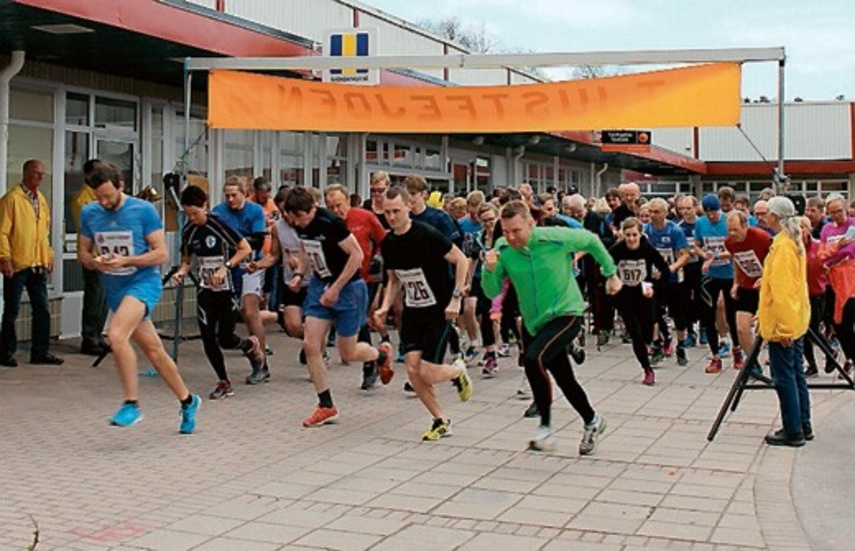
x,y
378,190
487,220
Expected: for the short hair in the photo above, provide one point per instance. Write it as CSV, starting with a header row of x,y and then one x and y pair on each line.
x,y
691,198
236,181
741,199
544,197
355,200
509,194
475,197
659,202
379,175
193,196
632,222
458,203
515,208
105,172
300,199
726,192
612,193
835,197
262,184
398,191
816,202
415,184
576,199
743,218
88,166
336,187
282,195
486,206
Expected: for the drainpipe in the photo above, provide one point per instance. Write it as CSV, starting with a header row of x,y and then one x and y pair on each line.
x,y
6,75
599,176
518,174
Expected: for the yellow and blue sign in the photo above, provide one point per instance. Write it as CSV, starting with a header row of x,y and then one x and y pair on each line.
x,y
352,43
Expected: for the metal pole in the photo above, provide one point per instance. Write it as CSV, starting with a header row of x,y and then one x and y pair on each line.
x,y
179,289
781,180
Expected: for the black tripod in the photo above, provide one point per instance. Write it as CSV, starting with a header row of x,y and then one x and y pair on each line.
x,y
751,371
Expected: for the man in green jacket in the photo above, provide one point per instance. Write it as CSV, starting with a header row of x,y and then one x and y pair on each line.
x,y
538,261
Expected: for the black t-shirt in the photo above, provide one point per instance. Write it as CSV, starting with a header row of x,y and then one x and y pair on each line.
x,y
636,266
320,239
418,259
212,243
621,213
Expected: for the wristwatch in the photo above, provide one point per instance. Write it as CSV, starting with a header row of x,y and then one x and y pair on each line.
x,y
228,264
457,293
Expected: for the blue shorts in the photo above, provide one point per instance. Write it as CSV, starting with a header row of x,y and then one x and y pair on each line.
x,y
147,291
348,313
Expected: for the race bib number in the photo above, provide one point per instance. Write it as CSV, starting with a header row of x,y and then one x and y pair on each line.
x,y
667,255
207,266
835,238
317,260
417,291
748,263
716,246
116,243
632,272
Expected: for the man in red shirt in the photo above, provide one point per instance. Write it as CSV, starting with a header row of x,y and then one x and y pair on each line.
x,y
369,233
747,247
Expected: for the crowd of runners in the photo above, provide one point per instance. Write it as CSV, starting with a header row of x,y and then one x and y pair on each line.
x,y
463,281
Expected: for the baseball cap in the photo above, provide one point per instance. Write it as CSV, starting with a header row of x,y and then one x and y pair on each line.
x,y
710,202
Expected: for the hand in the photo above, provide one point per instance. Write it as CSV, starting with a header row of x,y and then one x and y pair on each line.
x,y
252,267
294,283
49,267
219,276
734,291
453,309
6,267
379,316
329,297
757,283
786,342
292,261
647,290
109,261
705,267
613,285
178,277
491,258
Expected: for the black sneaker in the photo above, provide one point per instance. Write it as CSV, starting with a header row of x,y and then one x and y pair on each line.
x,y
47,359
811,371
223,390
578,354
781,438
531,411
258,376
302,357
807,430
369,376
681,355
9,362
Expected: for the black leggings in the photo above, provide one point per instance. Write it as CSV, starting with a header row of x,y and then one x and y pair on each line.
x,y
482,313
845,330
216,316
637,314
817,313
510,314
710,289
548,351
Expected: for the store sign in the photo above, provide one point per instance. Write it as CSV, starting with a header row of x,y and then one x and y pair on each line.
x,y
637,141
352,43
703,95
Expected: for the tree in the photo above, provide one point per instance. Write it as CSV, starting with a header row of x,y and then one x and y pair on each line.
x,y
596,71
474,38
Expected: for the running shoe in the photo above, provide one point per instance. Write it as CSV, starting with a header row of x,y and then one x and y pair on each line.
x,y
703,337
223,390
690,341
462,382
531,411
656,354
504,351
251,348
738,358
811,371
490,368
714,365
268,351
625,338
543,440
259,375
649,378
400,357
470,355
408,388
592,433
681,355
602,338
668,348
724,349
524,390
578,354
127,416
384,367
369,376
188,415
321,416
439,429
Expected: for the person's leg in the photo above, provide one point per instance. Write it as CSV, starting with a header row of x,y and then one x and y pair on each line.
x,y
13,288
801,383
744,321
314,343
40,311
226,336
250,310
639,345
846,330
783,367
730,310
126,318
207,318
94,313
709,297
145,336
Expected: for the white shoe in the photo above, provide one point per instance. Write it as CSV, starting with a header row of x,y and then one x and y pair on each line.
x,y
542,441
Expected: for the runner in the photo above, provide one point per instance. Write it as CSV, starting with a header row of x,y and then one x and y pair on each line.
x,y
336,294
636,259
127,239
536,262
217,248
690,288
417,259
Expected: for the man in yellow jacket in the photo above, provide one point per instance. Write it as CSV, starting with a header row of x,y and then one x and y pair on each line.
x,y
783,317
94,313
26,259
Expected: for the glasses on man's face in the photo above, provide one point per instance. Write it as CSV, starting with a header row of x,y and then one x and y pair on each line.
x,y
378,190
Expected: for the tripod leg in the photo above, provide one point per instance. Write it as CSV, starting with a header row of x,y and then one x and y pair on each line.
x,y
736,389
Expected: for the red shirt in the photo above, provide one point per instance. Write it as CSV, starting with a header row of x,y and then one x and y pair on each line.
x,y
369,234
816,275
748,256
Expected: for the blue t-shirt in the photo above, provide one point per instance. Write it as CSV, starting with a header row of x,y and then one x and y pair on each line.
x,y
123,232
246,221
694,262
572,223
440,221
467,225
711,238
669,241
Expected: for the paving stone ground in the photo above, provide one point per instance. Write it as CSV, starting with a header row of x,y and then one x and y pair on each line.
x,y
252,478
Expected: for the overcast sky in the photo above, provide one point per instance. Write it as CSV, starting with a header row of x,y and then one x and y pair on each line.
x,y
819,35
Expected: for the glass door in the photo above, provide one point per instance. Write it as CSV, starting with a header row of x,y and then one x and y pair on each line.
x,y
121,153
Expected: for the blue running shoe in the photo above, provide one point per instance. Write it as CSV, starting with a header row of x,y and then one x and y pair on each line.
x,y
689,341
128,415
724,350
188,415
703,337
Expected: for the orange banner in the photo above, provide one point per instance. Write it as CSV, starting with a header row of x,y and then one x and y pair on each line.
x,y
705,95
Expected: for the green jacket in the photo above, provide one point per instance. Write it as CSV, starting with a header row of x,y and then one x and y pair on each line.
x,y
542,273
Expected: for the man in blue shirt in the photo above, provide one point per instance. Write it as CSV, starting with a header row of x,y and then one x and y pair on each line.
x,y
250,222
123,238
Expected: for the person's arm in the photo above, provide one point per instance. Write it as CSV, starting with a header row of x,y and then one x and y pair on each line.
x,y
354,260
461,268
785,283
682,259
654,257
390,294
84,252
6,221
156,255
267,260
493,273
183,270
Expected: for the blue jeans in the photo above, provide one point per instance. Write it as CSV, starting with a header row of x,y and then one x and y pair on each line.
x,y
789,379
35,281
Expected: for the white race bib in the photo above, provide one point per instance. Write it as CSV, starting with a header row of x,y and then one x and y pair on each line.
x,y
417,291
716,246
207,266
749,263
315,252
632,272
117,243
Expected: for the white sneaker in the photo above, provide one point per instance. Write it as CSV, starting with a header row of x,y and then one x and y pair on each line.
x,y
592,433
542,441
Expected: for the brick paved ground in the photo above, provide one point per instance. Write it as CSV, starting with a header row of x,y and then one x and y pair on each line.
x,y
252,478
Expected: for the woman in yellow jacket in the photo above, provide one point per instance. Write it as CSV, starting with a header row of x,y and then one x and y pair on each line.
x,y
783,316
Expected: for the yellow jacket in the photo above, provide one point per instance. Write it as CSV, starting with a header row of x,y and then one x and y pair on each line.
x,y
83,197
23,238
784,305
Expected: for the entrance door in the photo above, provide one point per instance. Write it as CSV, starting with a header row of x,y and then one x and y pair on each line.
x,y
120,153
